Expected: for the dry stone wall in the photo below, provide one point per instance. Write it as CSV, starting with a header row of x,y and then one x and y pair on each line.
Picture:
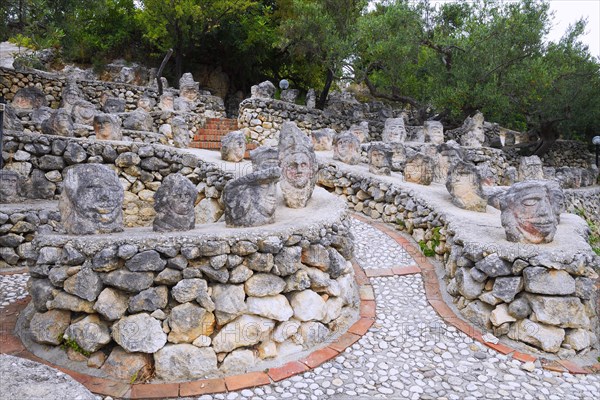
x,y
543,296
233,299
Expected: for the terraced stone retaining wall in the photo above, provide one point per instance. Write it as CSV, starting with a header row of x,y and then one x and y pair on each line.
x,y
52,85
210,301
543,296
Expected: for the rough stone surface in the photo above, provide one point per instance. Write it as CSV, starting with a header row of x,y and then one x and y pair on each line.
x,y
188,321
123,365
49,327
273,307
464,185
547,281
419,169
246,330
346,148
174,204
380,159
85,284
181,362
139,333
308,306
546,337
111,304
233,146
90,333
229,302
129,281
566,312
261,285
149,300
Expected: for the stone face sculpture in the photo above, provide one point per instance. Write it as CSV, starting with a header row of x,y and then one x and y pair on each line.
x,y
264,157
434,132
419,169
107,127
252,199
188,88
146,103
29,98
37,186
398,156
530,211
233,146
138,120
174,204
531,168
473,135
83,112
9,186
264,90
449,153
166,102
323,139
92,200
59,123
39,115
298,165
346,148
289,95
394,131
464,185
180,132
361,131
113,105
380,159
70,95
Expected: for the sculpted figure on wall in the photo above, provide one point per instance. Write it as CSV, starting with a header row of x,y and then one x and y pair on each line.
x,y
59,123
92,200
346,148
464,185
107,127
531,211
174,203
434,132
298,164
9,186
394,131
380,159
264,157
233,146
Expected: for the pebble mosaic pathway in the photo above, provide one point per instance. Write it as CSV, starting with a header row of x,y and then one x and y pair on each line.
x,y
409,353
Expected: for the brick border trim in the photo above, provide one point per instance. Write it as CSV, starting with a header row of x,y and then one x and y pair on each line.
x,y
434,297
12,345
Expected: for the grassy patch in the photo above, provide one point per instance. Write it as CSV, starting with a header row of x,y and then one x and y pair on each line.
x,y
594,239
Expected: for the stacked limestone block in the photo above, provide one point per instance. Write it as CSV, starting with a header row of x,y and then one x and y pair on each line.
x,y
209,301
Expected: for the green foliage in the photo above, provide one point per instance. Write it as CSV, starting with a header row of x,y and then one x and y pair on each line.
x,y
428,247
71,343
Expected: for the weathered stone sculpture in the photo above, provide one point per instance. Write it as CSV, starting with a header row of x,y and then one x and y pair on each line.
x,y
83,112
174,204
107,127
9,186
59,123
29,98
394,131
531,168
188,88
346,148
92,200
166,102
531,211
398,156
113,105
37,186
434,132
380,159
448,154
264,90
464,185
298,165
361,131
138,120
70,95
264,157
419,169
11,121
252,199
289,95
473,134
181,105
233,146
180,132
146,103
323,139
39,115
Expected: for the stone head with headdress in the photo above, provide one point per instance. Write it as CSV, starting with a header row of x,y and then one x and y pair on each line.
x,y
298,164
252,199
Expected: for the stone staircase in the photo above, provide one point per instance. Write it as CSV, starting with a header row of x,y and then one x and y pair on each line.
x,y
209,137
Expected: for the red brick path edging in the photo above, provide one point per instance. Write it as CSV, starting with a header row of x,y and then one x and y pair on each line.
x,y
434,297
11,344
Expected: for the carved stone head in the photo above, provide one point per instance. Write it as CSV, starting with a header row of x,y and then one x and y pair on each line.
x,y
419,169
113,105
174,204
264,90
464,185
92,200
59,123
180,132
233,146
264,157
434,132
29,98
380,159
531,168
188,88
298,164
346,148
107,127
70,95
473,133
252,199
146,103
323,139
394,130
531,211
83,112
167,102
361,131
9,186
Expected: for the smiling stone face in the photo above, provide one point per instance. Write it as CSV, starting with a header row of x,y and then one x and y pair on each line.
x,y
531,211
92,200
